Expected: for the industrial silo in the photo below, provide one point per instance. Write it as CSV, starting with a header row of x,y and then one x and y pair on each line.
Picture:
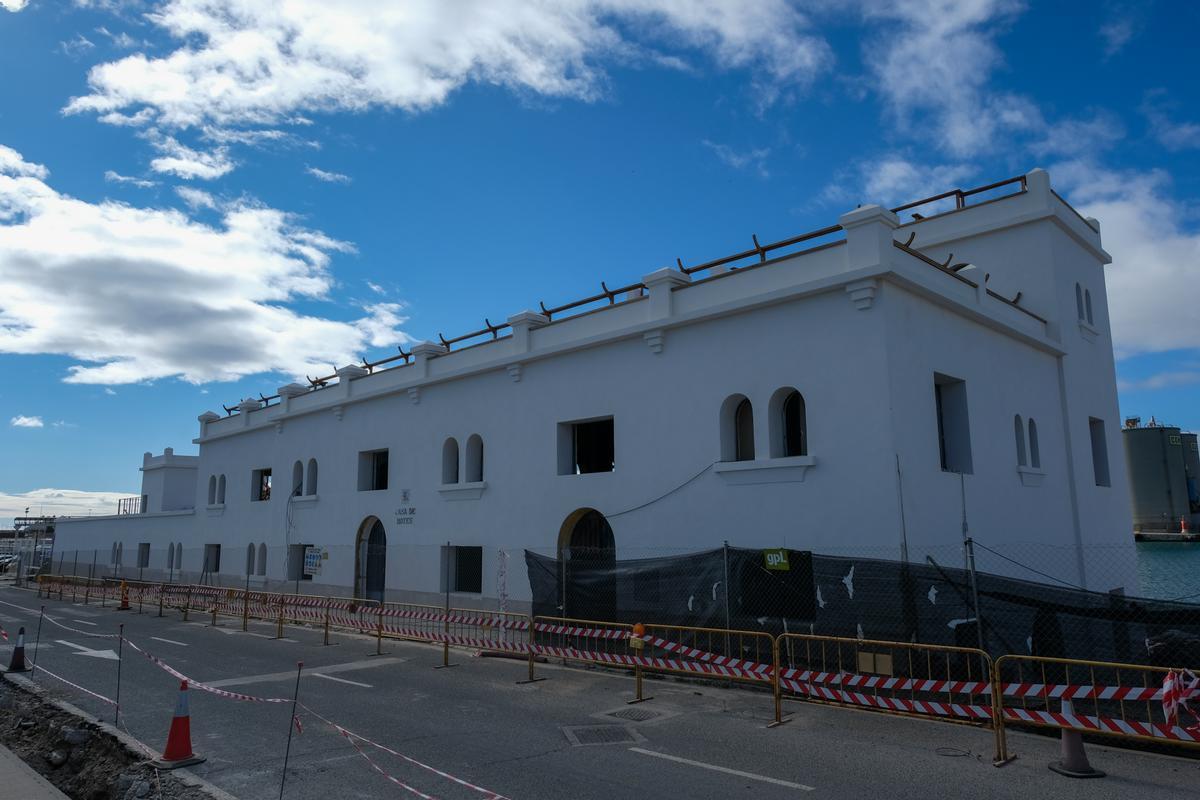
x,y
1157,481
1191,468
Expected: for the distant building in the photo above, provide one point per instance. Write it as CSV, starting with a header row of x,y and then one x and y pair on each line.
x,y
847,389
1163,464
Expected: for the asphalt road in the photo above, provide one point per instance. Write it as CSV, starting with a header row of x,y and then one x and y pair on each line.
x,y
477,723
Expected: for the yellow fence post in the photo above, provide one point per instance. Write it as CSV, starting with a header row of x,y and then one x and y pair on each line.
x,y
379,632
1002,756
637,643
187,603
279,624
775,670
246,610
162,590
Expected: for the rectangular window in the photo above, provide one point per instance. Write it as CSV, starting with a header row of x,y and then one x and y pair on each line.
x,y
585,447
212,558
1099,451
260,485
143,555
372,470
954,426
463,568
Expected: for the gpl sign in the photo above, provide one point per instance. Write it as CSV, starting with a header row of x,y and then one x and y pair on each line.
x,y
314,559
776,559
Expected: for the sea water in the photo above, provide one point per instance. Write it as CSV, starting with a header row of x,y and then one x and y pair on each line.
x,y
1169,570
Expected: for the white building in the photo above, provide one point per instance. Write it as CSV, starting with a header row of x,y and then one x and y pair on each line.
x,y
842,391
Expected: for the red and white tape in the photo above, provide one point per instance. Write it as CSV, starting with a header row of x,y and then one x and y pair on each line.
x,y
1081,692
96,695
195,684
879,682
1103,724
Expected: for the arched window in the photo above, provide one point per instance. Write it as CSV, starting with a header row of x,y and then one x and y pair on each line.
x,y
737,429
212,489
474,459
1079,300
179,553
262,559
1087,305
788,425
120,553
297,479
450,461
250,559
1035,455
310,487
743,423
170,555
221,490
1019,433
112,558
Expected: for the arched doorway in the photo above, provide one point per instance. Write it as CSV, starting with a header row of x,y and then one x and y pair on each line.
x,y
587,560
370,560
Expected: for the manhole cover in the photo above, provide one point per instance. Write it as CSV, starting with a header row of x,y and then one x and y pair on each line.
x,y
635,714
601,734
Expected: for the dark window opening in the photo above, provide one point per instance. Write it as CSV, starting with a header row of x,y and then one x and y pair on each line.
x,y
954,428
795,435
212,558
261,485
743,431
590,447
465,569
143,555
1099,452
372,470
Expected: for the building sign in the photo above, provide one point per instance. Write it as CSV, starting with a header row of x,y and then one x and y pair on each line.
x,y
776,559
405,514
314,559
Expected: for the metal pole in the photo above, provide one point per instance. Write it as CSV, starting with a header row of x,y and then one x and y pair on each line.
x,y
446,620
120,653
974,591
725,549
291,722
37,641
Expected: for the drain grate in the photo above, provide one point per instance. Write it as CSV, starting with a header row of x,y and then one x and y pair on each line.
x,y
601,734
635,714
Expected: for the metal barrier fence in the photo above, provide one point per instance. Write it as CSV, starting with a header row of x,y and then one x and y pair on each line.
x,y
907,678
1123,700
956,684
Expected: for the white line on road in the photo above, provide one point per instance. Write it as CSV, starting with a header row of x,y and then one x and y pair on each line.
x,y
168,641
291,674
341,680
752,776
83,622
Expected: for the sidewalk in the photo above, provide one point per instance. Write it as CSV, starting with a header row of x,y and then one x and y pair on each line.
x,y
20,780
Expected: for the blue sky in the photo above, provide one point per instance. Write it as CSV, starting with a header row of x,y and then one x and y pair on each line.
x,y
201,200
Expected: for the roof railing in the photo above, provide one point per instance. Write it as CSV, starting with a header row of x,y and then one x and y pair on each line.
x,y
759,251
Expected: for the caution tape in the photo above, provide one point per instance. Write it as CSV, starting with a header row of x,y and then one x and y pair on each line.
x,y
1103,724
96,695
576,630
193,683
928,707
351,736
879,682
1081,692
53,621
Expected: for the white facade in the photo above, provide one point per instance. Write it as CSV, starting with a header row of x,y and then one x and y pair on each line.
x,y
862,328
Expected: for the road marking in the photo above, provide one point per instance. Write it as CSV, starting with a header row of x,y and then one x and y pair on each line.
x,y
341,680
752,776
168,641
87,651
83,622
291,674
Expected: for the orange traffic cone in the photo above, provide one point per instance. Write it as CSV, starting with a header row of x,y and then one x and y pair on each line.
x,y
178,752
17,664
124,597
1074,761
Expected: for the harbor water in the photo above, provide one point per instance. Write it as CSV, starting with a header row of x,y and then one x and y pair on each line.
x,y
1169,570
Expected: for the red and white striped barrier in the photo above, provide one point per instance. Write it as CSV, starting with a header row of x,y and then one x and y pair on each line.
x,y
930,707
792,677
1101,724
1081,692
576,630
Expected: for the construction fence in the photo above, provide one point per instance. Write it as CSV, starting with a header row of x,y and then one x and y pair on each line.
x,y
959,683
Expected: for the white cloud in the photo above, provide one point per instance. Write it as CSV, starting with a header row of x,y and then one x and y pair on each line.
x,y
109,391
122,40
182,161
77,46
196,198
1170,134
1154,281
754,159
14,164
376,288
138,294
1115,34
892,179
933,60
1073,138
115,177
327,177
22,421
1161,380
58,503
243,63
13,5
62,423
